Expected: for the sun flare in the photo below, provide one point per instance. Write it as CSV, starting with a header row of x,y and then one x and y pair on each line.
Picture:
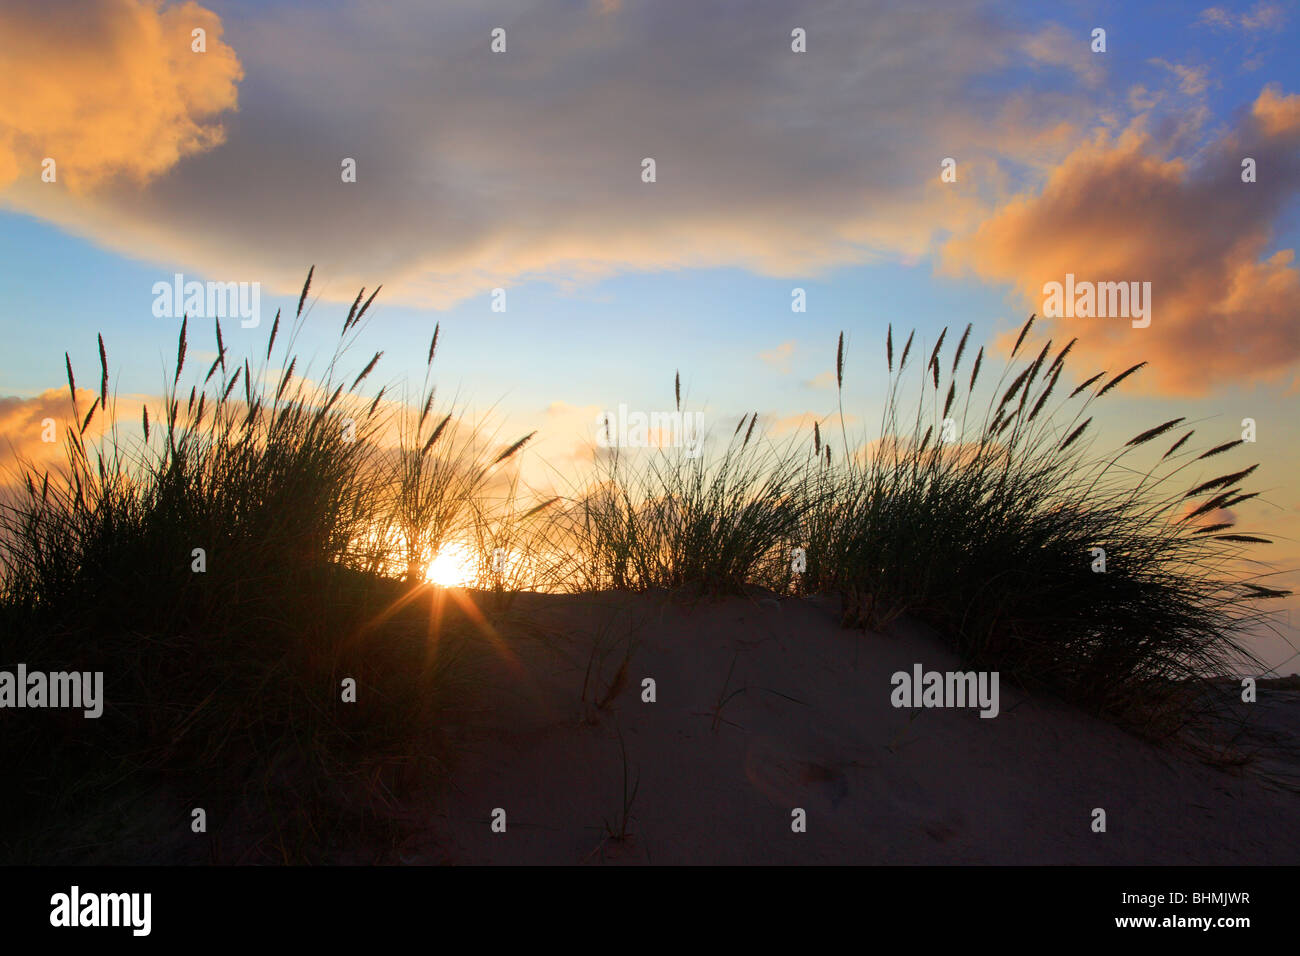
x,y
452,566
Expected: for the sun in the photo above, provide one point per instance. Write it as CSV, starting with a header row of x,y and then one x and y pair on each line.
x,y
452,567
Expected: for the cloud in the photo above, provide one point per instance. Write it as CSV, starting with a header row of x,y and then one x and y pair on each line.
x,y
787,424
26,423
779,357
1118,208
567,433
829,424
108,90
1192,80
1054,45
1262,16
477,170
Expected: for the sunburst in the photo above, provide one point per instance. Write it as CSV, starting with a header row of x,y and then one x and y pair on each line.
x,y
452,567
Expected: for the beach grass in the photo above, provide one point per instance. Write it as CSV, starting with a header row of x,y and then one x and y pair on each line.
x,y
263,540
1099,574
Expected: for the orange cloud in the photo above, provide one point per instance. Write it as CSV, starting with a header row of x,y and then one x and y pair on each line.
x,y
1277,115
804,421
109,89
1223,307
32,430
779,357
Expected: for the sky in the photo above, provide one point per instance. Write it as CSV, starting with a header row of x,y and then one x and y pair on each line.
x,y
775,169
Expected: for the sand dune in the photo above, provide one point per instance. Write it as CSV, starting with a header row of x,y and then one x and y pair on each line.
x,y
807,722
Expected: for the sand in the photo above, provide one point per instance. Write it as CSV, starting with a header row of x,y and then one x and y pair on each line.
x,y
806,722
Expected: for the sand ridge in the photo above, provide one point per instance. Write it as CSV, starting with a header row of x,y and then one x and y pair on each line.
x,y
765,707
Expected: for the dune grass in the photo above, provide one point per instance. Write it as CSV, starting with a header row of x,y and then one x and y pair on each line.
x,y
1098,575
439,482
668,518
223,570
265,537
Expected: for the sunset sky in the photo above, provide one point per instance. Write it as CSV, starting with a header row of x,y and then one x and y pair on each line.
x,y
775,170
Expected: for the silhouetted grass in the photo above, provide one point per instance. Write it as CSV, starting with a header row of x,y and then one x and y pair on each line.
x,y
676,517
221,571
988,527
267,535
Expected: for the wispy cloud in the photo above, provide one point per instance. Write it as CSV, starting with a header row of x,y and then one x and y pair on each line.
x,y
824,379
1262,16
1056,46
1192,80
779,357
